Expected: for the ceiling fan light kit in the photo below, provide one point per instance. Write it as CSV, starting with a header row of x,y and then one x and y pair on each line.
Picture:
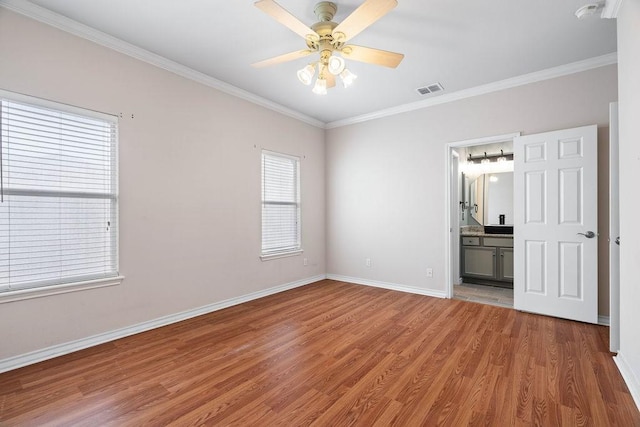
x,y
305,75
328,38
347,78
320,88
336,65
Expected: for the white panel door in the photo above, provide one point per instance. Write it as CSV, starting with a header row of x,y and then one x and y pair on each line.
x,y
555,220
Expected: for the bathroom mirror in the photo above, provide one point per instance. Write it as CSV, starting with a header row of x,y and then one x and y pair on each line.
x,y
476,199
489,196
498,198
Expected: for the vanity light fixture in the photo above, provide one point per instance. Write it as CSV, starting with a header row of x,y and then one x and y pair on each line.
x,y
488,163
490,158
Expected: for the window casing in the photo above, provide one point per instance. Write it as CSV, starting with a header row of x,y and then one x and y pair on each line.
x,y
280,205
58,196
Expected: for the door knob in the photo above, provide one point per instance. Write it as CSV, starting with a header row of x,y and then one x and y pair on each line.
x,y
588,234
617,240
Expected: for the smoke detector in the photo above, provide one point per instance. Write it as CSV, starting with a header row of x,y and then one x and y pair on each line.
x,y
589,9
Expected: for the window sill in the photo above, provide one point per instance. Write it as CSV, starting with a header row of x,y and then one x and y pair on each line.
x,y
277,255
23,294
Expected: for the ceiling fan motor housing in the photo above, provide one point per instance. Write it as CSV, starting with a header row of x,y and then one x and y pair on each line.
x,y
325,10
324,29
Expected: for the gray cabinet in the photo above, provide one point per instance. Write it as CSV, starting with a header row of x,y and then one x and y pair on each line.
x,y
479,262
505,261
487,259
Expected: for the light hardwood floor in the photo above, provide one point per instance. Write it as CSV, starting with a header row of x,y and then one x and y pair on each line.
x,y
333,354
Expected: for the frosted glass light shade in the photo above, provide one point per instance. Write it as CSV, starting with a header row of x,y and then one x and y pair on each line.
x,y
320,87
336,65
347,77
305,75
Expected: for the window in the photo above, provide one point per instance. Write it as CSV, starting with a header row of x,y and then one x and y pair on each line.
x,y
280,205
58,196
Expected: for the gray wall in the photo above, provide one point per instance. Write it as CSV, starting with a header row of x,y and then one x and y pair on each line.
x,y
189,187
386,178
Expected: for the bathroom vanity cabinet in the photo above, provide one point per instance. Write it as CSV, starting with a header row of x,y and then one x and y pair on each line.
x,y
487,259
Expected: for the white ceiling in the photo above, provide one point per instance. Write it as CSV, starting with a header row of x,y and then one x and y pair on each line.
x,y
459,43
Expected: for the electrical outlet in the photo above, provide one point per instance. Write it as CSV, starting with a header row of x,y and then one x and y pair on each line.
x,y
429,272
367,262
305,261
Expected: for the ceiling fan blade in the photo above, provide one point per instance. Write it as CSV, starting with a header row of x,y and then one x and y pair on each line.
x,y
282,58
366,14
372,56
281,15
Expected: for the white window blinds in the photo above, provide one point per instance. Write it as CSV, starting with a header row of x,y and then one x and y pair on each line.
x,y
280,204
58,207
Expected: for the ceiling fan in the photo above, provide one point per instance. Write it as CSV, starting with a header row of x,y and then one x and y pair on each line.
x,y
328,38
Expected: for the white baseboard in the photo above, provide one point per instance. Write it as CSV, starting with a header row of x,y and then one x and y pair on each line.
x,y
390,286
30,358
629,377
603,320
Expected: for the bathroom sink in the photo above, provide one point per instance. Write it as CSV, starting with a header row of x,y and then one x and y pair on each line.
x,y
498,229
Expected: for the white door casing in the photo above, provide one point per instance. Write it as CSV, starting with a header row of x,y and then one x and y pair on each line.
x,y
555,200
614,231
455,218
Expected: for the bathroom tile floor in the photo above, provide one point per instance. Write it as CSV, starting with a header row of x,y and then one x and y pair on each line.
x,y
492,295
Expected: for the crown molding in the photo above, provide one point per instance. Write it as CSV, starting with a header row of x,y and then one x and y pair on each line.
x,y
611,9
68,25
549,73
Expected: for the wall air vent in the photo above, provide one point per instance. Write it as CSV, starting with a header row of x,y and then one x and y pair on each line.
x,y
432,88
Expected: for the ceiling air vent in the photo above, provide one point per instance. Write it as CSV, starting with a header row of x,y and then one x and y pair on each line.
x,y
433,88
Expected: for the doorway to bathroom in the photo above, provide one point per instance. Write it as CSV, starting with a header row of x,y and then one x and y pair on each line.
x,y
481,220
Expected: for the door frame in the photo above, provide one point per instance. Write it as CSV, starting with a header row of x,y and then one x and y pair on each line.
x,y
614,229
452,243
454,164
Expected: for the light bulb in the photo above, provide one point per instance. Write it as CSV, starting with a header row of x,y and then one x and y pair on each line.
x,y
347,77
320,87
305,75
336,65
502,158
